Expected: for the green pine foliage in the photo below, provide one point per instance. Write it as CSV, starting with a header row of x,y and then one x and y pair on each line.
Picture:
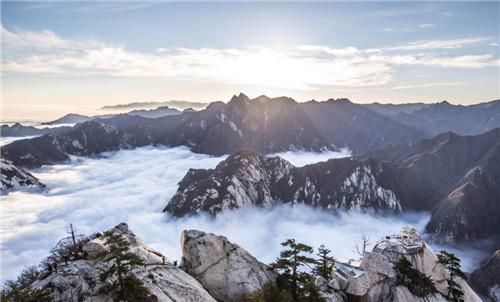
x,y
21,290
271,292
291,264
452,263
417,283
294,282
123,285
325,263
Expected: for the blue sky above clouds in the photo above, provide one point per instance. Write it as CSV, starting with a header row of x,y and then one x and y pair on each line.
x,y
85,55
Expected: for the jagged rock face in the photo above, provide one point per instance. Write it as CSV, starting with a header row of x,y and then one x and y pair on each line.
x,y
247,178
226,270
12,177
79,280
486,279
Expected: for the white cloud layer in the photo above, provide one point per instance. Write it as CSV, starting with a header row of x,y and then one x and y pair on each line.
x,y
303,67
440,44
428,85
133,186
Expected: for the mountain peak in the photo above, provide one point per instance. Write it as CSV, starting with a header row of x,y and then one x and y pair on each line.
x,y
240,97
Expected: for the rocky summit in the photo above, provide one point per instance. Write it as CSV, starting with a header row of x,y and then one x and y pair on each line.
x,y
79,279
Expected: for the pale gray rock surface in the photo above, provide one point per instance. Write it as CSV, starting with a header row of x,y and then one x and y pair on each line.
x,y
225,269
79,280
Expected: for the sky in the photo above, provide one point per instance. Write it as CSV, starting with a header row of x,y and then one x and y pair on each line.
x,y
79,56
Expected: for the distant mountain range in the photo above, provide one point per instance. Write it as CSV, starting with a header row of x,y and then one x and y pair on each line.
x,y
263,124
455,177
179,105
17,129
444,117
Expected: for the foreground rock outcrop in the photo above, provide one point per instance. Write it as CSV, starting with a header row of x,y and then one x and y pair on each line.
x,y
214,269
78,280
374,279
225,269
12,177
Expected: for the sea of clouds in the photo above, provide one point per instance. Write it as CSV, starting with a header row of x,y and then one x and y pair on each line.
x,y
133,186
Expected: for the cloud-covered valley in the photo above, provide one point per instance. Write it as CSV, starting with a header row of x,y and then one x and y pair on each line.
x,y
134,186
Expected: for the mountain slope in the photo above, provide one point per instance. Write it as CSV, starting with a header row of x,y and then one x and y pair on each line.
x,y
457,177
486,279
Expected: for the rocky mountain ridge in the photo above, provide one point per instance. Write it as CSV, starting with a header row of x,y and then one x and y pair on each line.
x,y
246,179
270,125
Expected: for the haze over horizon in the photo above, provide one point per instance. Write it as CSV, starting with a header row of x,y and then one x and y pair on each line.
x,y
77,57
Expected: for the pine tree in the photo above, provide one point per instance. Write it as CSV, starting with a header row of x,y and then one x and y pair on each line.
x,y
417,283
21,290
289,265
270,292
126,287
452,263
325,263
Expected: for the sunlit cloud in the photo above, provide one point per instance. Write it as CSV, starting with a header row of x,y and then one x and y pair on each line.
x,y
428,85
304,67
465,61
426,25
440,44
35,41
